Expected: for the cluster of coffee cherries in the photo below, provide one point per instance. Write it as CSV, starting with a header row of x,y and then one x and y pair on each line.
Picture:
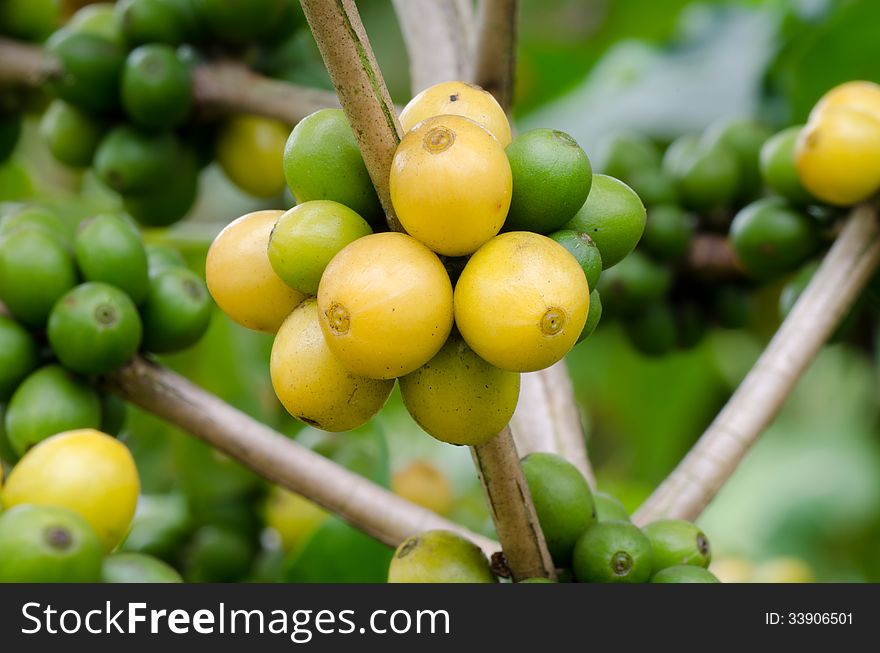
x,y
491,274
772,201
121,95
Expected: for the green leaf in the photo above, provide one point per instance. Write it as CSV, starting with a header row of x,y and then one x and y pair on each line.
x,y
337,553
820,55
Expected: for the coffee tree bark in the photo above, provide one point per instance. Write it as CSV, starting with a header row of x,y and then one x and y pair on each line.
x,y
495,60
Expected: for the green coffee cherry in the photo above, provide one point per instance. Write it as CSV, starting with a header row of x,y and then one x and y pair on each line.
x,y
778,166
613,216
707,177
609,508
668,232
612,552
594,315
582,247
633,284
628,154
684,574
563,502
439,557
744,138
770,238
677,542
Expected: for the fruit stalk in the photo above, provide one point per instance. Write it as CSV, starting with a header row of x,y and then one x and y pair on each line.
x,y
525,551
496,49
844,272
439,39
547,418
349,60
227,86
365,505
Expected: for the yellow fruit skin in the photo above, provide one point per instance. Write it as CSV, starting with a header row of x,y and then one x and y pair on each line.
x,y
292,516
385,305
451,185
857,95
250,149
521,301
838,156
311,382
459,398
241,279
425,485
458,99
86,471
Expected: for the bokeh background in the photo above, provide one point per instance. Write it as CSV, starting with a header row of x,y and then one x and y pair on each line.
x,y
806,502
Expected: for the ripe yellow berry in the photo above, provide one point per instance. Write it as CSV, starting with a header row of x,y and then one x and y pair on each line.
x,y
838,156
241,279
521,301
458,99
250,151
459,398
858,95
86,471
385,304
451,185
312,384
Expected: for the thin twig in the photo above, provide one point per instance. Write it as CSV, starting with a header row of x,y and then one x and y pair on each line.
x,y
362,503
233,86
225,86
24,63
348,57
439,40
547,418
525,550
495,62
843,274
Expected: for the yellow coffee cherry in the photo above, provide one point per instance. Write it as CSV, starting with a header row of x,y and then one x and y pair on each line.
x,y
858,95
385,305
838,156
312,384
86,471
425,485
459,398
241,279
250,150
451,185
521,301
292,516
458,99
